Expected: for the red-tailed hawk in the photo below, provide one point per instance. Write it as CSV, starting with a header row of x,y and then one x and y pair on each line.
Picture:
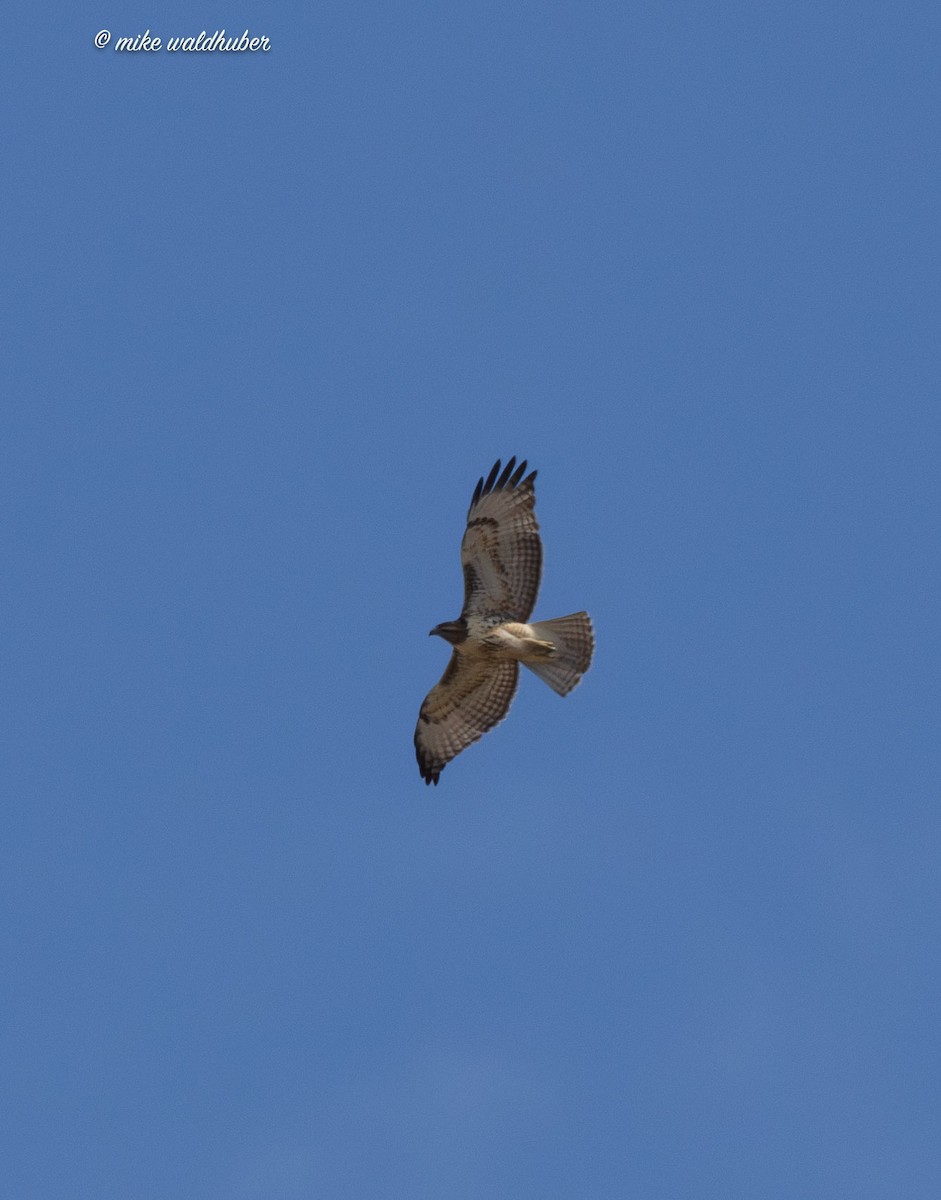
x,y
502,559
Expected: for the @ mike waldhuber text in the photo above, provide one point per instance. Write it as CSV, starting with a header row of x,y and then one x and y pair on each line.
x,y
204,41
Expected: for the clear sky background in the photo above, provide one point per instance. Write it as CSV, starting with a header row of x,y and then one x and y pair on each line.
x,y
266,320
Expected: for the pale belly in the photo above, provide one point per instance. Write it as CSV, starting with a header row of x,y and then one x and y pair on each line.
x,y
514,640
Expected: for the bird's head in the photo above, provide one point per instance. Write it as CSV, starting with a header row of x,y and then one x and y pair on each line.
x,y
452,631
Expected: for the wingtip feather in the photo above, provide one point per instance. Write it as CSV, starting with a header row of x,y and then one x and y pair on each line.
x,y
501,478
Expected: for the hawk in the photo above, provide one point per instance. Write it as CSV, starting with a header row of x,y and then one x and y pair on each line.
x,y
502,559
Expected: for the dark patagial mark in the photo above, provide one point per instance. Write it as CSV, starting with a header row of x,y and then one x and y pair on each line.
x,y
471,583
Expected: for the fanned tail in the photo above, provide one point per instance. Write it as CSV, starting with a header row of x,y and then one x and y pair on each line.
x,y
574,642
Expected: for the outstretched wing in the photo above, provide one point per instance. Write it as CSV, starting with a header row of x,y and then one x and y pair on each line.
x,y
473,695
502,551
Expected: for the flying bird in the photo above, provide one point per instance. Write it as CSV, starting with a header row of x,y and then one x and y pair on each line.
x,y
502,559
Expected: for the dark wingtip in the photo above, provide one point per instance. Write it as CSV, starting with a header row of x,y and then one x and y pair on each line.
x,y
510,479
505,477
426,771
497,480
518,474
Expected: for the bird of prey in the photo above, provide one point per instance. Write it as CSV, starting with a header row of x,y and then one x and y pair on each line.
x,y
502,559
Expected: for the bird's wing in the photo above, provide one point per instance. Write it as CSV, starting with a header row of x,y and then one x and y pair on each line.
x,y
502,552
472,696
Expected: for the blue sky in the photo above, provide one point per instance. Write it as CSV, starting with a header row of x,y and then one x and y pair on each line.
x,y
267,319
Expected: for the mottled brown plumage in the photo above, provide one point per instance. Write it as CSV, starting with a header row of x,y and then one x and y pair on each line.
x,y
501,556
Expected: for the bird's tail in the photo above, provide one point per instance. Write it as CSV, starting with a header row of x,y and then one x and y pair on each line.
x,y
574,642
